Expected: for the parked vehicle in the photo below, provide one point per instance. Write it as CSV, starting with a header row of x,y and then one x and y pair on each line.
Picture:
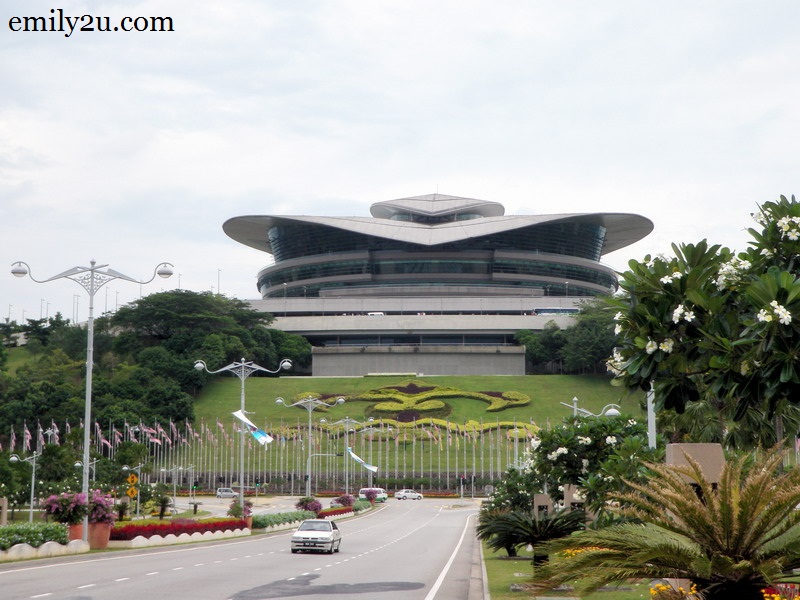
x,y
316,534
380,494
407,495
226,493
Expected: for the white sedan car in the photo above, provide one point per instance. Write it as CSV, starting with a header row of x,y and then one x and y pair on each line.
x,y
407,495
317,534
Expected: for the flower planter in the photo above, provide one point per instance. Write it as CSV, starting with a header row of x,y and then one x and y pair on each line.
x,y
75,531
99,534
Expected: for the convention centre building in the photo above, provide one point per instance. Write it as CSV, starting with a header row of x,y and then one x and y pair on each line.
x,y
431,284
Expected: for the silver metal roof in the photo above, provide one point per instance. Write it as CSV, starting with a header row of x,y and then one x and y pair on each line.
x,y
622,229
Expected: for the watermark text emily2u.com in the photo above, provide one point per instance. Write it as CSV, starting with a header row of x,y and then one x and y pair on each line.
x,y
58,22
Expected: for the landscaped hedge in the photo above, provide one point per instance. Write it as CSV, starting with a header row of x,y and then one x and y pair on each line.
x,y
332,512
177,526
33,534
270,520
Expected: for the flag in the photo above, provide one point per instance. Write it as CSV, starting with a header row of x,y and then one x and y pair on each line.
x,y
13,441
262,437
26,437
55,432
361,461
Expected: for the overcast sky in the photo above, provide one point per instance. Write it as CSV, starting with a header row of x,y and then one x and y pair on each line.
x,y
134,148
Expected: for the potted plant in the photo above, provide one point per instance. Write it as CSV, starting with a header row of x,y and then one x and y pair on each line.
x,y
69,509
101,519
239,511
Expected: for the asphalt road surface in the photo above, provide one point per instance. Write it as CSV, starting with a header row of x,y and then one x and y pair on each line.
x,y
403,550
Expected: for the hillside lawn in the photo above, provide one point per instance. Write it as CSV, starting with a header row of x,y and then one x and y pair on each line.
x,y
222,395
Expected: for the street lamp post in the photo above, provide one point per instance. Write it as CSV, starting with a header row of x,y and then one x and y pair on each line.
x,y
92,466
651,417
310,404
243,369
176,470
91,279
348,422
609,410
31,459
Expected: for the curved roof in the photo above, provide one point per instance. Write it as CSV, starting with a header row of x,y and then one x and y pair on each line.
x,y
436,205
622,229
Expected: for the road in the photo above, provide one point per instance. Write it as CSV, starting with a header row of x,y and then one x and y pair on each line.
x,y
403,550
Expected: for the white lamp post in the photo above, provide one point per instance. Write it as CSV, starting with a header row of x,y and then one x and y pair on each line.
x,y
651,417
348,422
243,369
91,279
609,410
31,459
174,470
309,404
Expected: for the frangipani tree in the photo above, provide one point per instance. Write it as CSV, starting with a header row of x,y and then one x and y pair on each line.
x,y
710,325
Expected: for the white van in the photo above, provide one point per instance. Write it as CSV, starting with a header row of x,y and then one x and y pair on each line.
x,y
380,494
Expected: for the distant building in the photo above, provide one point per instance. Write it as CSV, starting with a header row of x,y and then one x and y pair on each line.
x,y
431,284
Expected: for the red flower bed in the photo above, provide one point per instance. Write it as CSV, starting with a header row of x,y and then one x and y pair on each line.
x,y
129,531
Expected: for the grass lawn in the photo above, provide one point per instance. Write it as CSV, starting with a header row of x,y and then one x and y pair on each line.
x,y
222,396
504,572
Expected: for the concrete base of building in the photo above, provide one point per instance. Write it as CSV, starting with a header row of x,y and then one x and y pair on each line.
x,y
359,361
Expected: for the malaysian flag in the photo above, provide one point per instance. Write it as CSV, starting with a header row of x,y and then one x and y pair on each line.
x,y
12,440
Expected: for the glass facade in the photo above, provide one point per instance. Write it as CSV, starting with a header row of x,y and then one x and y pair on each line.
x,y
471,262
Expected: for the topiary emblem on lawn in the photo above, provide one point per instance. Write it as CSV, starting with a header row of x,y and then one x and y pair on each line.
x,y
427,399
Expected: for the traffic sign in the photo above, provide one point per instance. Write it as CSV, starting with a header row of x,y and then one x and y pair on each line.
x,y
132,492
133,479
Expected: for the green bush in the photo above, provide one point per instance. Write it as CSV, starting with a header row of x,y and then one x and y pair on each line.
x,y
33,534
269,520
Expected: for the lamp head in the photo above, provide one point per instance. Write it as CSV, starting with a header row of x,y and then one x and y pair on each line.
x,y
164,270
612,411
280,401
286,364
126,468
19,270
199,365
340,401
78,465
14,458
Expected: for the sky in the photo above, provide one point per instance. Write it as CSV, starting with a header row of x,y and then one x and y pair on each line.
x,y
133,148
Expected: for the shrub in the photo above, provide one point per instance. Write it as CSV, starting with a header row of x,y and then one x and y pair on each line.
x,y
67,508
346,500
33,534
332,512
238,511
101,508
269,520
309,503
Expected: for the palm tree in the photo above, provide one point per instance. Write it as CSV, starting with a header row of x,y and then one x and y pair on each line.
x,y
730,539
511,530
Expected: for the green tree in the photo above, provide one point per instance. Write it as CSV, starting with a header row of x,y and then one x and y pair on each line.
x,y
294,347
730,539
710,325
543,347
589,342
